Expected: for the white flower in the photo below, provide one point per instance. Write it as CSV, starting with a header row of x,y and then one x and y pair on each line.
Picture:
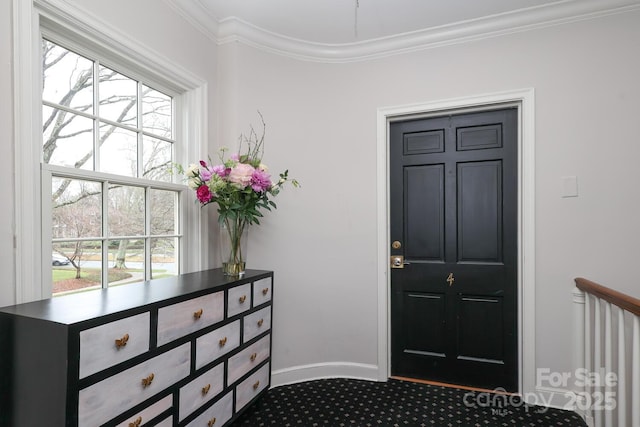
x,y
193,183
193,170
263,167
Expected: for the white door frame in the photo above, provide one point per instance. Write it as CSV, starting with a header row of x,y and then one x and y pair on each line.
x,y
524,100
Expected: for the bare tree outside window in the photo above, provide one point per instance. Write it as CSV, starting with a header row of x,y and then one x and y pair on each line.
x,y
97,119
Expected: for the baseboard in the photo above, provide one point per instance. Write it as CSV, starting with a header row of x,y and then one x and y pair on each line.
x,y
558,398
317,371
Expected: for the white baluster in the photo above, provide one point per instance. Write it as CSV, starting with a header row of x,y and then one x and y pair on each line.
x,y
635,371
621,391
579,336
608,362
597,356
588,351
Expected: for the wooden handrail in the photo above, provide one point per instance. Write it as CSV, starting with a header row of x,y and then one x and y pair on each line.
x,y
623,301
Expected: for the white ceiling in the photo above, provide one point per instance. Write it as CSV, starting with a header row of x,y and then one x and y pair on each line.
x,y
350,21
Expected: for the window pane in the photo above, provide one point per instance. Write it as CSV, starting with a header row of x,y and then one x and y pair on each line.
x,y
84,270
126,261
163,212
126,211
118,97
67,78
76,208
118,150
164,257
156,112
67,139
156,156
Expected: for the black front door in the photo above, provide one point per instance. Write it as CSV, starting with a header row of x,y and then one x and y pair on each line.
x,y
453,213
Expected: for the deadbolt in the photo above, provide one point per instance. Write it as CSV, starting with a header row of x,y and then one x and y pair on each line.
x,y
396,245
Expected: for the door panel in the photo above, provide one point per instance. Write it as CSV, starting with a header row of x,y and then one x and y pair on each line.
x,y
480,327
480,211
428,334
453,203
424,212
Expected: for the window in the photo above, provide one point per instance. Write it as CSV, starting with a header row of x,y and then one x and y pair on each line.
x,y
110,209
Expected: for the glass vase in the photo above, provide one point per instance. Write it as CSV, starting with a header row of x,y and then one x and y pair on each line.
x,y
233,246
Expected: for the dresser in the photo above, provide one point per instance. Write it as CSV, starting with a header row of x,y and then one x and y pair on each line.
x,y
192,350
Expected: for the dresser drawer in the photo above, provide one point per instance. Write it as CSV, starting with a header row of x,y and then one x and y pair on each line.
x,y
261,291
104,400
248,359
167,422
256,323
177,320
252,386
149,413
218,414
201,390
239,299
112,343
217,343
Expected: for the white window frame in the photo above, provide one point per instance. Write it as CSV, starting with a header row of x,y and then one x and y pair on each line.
x,y
67,22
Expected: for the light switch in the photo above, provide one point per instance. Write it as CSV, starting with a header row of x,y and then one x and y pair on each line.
x,y
569,186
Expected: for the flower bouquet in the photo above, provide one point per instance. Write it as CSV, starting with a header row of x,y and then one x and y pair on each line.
x,y
241,186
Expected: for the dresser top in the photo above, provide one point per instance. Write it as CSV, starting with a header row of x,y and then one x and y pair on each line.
x,y
83,306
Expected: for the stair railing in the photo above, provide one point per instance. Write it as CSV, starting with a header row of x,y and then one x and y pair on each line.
x,y
608,355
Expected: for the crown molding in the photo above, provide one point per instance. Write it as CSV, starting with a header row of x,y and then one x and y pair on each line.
x,y
197,15
232,29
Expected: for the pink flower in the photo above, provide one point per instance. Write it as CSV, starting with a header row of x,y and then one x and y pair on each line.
x,y
241,174
221,171
260,181
204,194
205,174
235,157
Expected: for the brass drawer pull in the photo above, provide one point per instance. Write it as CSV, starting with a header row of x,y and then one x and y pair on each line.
x,y
197,314
256,385
253,357
222,342
146,382
136,422
211,422
205,389
121,342
260,322
265,291
242,299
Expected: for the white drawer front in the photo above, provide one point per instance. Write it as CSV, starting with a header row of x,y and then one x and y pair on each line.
x,y
256,323
150,412
216,343
219,413
201,390
261,291
247,359
168,422
112,343
104,400
180,319
249,388
239,299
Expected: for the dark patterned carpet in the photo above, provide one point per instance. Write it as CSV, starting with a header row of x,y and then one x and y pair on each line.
x,y
346,402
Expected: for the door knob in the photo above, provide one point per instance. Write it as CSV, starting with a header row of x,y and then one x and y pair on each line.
x,y
397,261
